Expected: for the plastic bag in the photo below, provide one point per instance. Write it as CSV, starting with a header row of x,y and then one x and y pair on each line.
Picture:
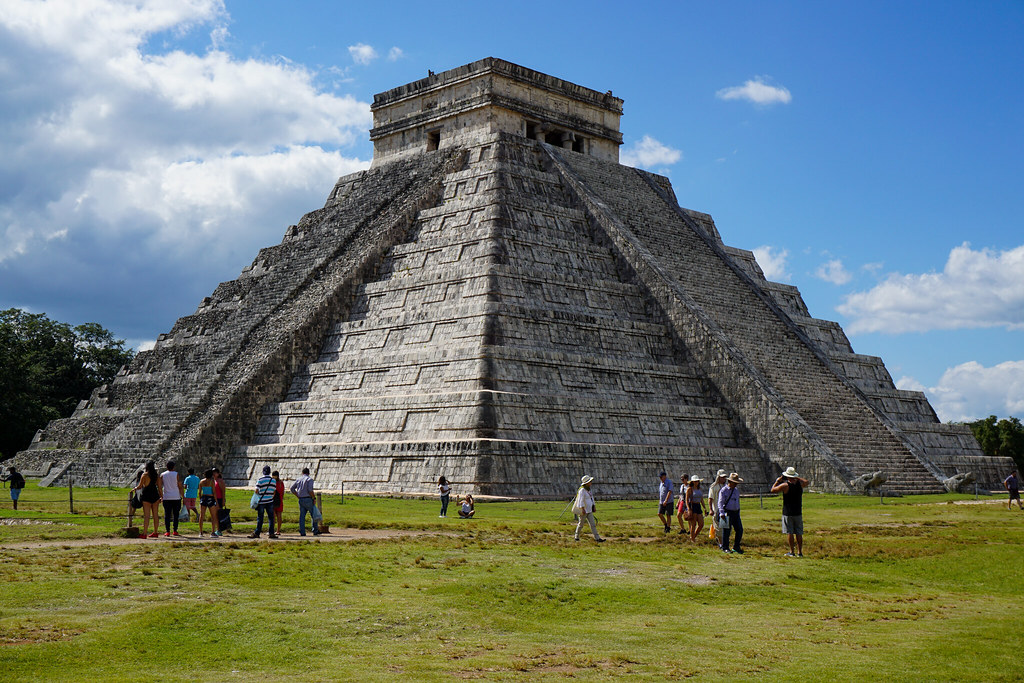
x,y
254,502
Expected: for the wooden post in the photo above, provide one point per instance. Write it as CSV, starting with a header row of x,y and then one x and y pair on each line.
x,y
342,493
71,493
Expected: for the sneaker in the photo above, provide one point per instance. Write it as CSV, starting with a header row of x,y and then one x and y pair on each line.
x,y
737,550
154,535
201,534
253,535
175,534
682,531
800,555
440,516
789,555
576,538
302,534
217,534
273,535
317,533
667,528
167,534
599,540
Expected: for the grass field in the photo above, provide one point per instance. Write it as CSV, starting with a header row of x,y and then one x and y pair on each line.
x,y
920,588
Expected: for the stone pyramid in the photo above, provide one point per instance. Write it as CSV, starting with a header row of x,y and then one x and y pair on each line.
x,y
497,300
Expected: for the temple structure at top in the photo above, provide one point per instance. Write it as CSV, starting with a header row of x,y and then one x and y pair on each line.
x,y
497,300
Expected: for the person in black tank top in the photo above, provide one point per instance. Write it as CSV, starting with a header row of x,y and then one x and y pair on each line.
x,y
791,486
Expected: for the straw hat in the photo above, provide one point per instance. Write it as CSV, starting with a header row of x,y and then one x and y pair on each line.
x,y
586,479
791,473
721,473
695,478
735,478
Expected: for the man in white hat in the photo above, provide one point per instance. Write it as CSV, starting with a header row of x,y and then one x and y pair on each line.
x,y
583,508
791,485
716,487
729,512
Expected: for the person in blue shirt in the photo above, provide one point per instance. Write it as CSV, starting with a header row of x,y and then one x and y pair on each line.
x,y
191,484
665,501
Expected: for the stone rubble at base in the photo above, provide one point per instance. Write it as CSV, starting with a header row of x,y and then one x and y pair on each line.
x,y
499,301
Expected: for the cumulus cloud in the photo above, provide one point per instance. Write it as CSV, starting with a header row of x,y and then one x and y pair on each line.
x,y
648,152
833,271
115,154
773,262
971,391
362,53
394,54
757,91
976,289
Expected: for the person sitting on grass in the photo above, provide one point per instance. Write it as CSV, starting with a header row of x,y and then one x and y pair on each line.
x,y
468,509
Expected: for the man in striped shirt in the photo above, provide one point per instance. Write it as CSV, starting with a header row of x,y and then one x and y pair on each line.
x,y
265,488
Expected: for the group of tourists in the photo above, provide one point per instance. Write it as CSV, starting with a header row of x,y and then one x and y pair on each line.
x,y
179,497
467,507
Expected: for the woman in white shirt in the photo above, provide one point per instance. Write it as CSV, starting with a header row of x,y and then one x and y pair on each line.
x,y
445,490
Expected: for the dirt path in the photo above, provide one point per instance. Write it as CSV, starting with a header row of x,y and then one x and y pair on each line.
x,y
335,536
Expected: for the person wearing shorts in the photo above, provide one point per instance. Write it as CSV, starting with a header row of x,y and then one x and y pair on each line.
x,y
792,486
191,492
1011,484
665,501
208,502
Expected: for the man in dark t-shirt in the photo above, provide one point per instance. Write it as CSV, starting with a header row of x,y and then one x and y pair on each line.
x,y
17,484
792,486
1012,484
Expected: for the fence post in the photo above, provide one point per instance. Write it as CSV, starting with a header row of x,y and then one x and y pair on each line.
x,y
760,498
881,496
342,493
71,492
975,490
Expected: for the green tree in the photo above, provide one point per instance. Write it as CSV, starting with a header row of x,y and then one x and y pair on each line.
x,y
46,368
1000,437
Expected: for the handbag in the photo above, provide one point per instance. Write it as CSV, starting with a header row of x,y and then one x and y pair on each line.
x,y
687,514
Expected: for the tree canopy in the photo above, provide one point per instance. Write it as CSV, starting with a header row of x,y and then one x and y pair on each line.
x,y
46,368
1000,437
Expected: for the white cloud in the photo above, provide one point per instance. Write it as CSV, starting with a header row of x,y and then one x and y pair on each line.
x,y
976,289
971,391
394,54
103,138
648,152
757,91
833,271
362,53
773,262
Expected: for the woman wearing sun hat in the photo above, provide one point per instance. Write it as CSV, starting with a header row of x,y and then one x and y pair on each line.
x,y
583,508
729,512
695,504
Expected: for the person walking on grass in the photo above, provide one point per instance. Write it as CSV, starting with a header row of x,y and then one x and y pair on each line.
x,y
791,485
150,498
191,485
171,492
713,491
694,499
665,501
729,512
265,489
303,490
208,504
583,507
17,483
445,490
278,498
1011,484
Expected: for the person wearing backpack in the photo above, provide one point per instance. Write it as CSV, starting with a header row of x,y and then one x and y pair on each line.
x,y
17,484
266,487
729,512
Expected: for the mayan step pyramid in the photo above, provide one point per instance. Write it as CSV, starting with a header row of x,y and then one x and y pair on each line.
x,y
499,301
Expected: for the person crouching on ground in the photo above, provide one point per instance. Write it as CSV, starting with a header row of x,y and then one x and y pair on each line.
x,y
208,502
665,501
729,512
792,486
265,489
468,508
695,504
583,507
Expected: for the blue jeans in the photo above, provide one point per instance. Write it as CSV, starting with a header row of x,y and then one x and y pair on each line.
x,y
305,507
734,523
260,509
444,503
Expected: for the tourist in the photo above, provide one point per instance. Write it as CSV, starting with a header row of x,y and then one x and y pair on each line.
x,y
17,483
171,492
220,490
694,500
1011,484
278,498
303,490
583,507
191,492
729,512
208,503
265,488
681,506
792,486
445,490
716,524
468,509
665,501
150,496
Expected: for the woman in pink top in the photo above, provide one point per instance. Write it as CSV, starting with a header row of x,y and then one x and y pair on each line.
x,y
278,498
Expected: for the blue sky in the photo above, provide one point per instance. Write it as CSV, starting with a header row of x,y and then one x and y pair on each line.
x,y
870,153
